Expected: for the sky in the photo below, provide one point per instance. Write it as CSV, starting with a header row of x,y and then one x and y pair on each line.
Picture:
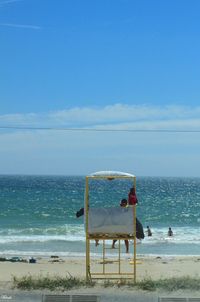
x,y
100,85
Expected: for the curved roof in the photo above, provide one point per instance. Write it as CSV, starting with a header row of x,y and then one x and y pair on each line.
x,y
111,173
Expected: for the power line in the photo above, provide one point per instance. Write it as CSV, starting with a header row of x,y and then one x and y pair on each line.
x,y
97,130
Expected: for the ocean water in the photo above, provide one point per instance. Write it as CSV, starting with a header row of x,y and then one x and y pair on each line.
x,y
37,215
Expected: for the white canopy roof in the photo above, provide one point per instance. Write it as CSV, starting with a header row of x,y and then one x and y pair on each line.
x,y
111,173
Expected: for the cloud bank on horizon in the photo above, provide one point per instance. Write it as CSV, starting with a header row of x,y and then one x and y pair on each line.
x,y
26,151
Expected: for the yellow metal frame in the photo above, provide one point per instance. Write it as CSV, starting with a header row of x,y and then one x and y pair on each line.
x,y
104,237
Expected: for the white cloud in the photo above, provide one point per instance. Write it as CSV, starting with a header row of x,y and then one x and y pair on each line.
x,y
5,2
118,116
120,112
23,26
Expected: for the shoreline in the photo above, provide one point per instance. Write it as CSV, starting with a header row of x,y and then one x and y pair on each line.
x,y
74,255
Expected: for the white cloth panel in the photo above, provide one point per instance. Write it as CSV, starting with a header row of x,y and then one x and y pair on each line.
x,y
114,220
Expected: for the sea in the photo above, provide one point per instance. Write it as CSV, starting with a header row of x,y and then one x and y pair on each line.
x,y
38,214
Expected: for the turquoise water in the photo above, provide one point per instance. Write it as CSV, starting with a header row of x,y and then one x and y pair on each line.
x,y
37,214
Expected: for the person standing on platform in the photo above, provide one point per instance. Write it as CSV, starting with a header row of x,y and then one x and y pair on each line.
x,y
123,204
132,197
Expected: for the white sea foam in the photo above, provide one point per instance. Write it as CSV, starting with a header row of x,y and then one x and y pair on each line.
x,y
76,233
40,238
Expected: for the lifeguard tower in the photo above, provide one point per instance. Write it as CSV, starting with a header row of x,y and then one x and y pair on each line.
x,y
105,224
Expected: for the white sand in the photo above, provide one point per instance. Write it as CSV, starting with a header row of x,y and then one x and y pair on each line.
x,y
153,267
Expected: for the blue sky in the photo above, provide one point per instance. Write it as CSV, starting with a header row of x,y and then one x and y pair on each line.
x,y
100,64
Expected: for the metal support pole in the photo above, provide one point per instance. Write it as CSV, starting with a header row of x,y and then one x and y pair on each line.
x,y
86,208
103,256
119,257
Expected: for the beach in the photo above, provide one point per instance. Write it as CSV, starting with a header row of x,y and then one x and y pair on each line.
x,y
147,267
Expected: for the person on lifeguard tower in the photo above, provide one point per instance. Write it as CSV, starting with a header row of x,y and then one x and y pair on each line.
x,y
123,204
132,198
